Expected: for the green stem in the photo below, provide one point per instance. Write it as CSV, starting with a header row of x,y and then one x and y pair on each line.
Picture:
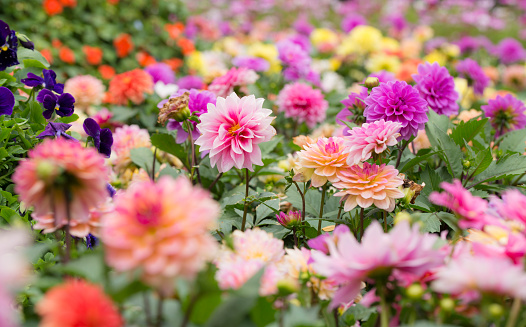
x,y
303,206
153,164
67,195
514,314
384,317
384,215
321,206
295,237
361,223
247,179
400,152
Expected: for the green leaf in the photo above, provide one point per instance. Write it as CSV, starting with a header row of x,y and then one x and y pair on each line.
x,y
204,306
34,63
415,161
90,266
451,152
69,119
514,141
514,164
36,113
482,161
9,215
170,171
143,158
123,113
24,54
431,222
467,131
166,143
427,324
263,312
266,208
267,147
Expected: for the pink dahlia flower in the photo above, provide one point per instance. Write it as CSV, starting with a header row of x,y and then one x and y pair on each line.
x,y
470,70
511,207
78,170
232,129
161,228
402,251
235,78
368,185
437,87
86,89
505,114
302,103
468,277
376,136
125,139
469,208
322,161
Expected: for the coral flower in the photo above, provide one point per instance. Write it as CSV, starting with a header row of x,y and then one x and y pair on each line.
x,y
166,236
123,45
370,184
126,138
376,136
302,103
107,72
235,78
322,161
401,252
66,55
93,55
398,102
86,89
505,114
59,167
437,87
87,305
52,7
130,86
232,129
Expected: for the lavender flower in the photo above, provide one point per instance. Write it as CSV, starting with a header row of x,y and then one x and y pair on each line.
x,y
161,72
351,21
437,87
505,114
255,63
398,102
470,70
509,51
190,82
353,111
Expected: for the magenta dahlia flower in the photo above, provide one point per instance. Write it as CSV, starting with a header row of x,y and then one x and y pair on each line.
x,y
509,51
470,70
235,78
437,87
511,207
302,103
398,102
505,114
403,251
353,105
232,129
362,141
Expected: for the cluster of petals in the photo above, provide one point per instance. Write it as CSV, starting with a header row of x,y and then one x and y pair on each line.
x,y
437,87
235,78
55,160
369,184
86,89
302,103
354,100
403,251
505,113
511,206
323,160
375,137
161,228
125,139
232,130
470,70
397,102
130,86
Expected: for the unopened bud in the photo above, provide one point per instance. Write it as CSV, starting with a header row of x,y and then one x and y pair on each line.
x,y
402,216
447,304
25,41
287,287
371,82
466,163
495,310
290,220
176,108
415,291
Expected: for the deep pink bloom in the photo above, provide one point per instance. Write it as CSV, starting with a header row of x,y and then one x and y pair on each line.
x,y
384,76
353,102
302,103
469,208
398,102
437,87
505,114
509,51
350,21
403,250
470,70
232,129
235,78
511,207
289,220
161,72
362,141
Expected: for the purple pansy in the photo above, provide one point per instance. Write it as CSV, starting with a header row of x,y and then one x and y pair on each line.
x,y
102,138
63,104
8,46
56,130
7,101
48,81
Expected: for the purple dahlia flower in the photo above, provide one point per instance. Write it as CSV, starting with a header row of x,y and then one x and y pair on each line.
x,y
437,87
398,102
351,21
509,51
354,103
190,82
255,63
161,72
505,114
470,70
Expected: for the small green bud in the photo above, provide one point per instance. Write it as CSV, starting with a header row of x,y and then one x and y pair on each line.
x,y
287,287
466,163
402,216
371,82
447,304
415,291
495,310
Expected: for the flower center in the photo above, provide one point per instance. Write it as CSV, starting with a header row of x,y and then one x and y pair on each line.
x,y
4,47
57,108
332,147
232,130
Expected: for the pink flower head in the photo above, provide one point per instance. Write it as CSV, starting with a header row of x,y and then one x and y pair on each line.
x,y
470,276
289,220
323,160
469,208
125,139
161,228
437,87
58,166
302,103
236,77
353,103
86,89
232,129
505,114
403,250
470,70
104,118
512,206
321,243
368,185
376,136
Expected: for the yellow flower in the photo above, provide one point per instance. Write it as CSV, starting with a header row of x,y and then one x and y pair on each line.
x,y
268,52
229,45
466,93
334,64
321,37
436,56
195,61
381,61
390,44
451,50
423,33
362,39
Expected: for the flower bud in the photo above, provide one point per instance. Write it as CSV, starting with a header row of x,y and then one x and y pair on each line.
x,y
466,163
415,291
408,195
447,304
371,82
495,310
287,287
25,41
402,216
176,108
290,220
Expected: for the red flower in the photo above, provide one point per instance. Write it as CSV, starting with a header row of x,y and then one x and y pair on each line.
x,y
52,7
56,43
67,55
113,2
107,72
174,30
130,86
174,63
123,44
93,54
78,303
186,45
144,59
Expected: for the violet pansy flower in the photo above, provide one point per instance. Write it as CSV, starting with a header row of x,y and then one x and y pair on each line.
x,y
102,138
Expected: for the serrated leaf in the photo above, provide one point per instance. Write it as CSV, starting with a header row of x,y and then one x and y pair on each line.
x,y
451,152
514,141
166,143
467,131
508,165
482,161
415,161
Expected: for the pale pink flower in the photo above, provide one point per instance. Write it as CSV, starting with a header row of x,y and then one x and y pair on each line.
x,y
368,185
323,160
302,103
86,89
81,170
126,138
404,250
235,78
512,206
375,136
468,277
232,130
161,228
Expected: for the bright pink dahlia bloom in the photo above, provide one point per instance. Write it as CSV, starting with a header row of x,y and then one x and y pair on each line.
x,y
236,77
470,70
376,136
161,228
437,87
512,206
403,251
469,208
232,129
302,103
398,102
505,114
368,185
323,160
82,171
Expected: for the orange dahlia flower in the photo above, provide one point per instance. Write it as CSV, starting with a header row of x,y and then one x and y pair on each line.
x,y
123,45
130,86
93,55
